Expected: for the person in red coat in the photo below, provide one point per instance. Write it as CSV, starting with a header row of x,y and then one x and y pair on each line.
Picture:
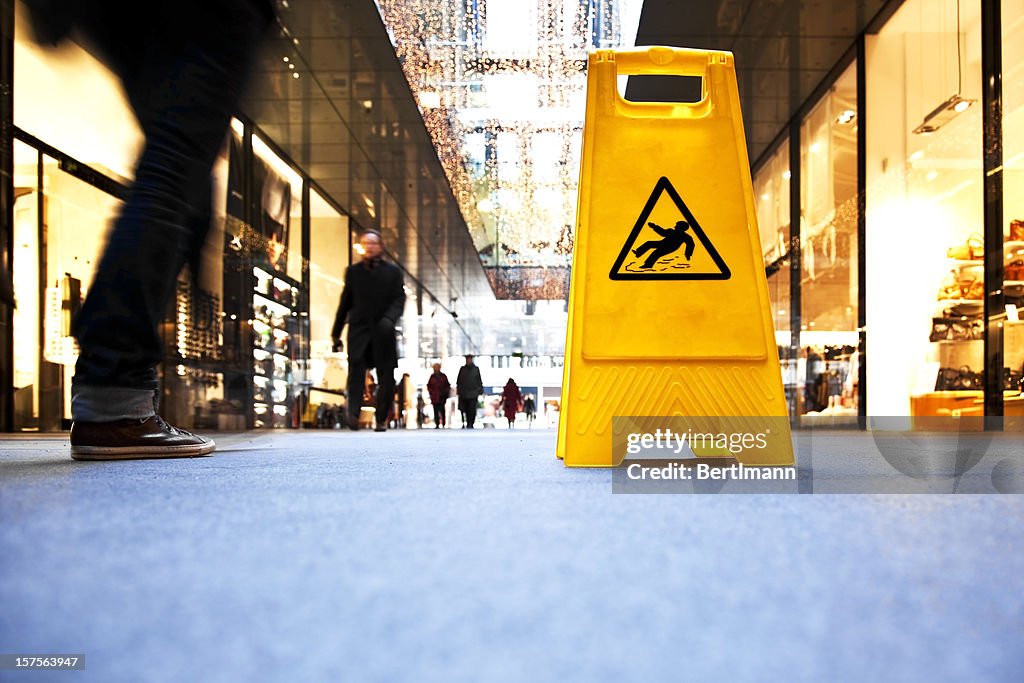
x,y
439,389
510,400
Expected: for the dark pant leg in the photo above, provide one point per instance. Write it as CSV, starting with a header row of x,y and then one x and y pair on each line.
x,y
355,386
385,394
438,413
468,408
183,88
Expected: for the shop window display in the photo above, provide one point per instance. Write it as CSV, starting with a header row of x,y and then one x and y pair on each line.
x,y
329,257
771,194
27,284
829,256
1013,207
77,217
925,213
264,300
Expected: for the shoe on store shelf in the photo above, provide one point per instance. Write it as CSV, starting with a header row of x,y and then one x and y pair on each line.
x,y
135,439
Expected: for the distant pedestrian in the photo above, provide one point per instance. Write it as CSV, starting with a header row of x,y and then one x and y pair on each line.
x,y
510,400
420,405
402,401
439,388
530,409
469,386
371,304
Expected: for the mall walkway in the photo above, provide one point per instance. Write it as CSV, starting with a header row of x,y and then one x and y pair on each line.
x,y
463,556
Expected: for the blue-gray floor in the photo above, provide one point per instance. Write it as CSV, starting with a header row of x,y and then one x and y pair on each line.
x,y
462,556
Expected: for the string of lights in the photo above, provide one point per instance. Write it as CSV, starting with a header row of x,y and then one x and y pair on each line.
x,y
501,86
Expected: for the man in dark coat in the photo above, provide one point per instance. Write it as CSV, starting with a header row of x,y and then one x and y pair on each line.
x,y
371,303
469,387
439,389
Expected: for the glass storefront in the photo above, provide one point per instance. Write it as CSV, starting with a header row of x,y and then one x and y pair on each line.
x,y
925,212
771,194
924,225
1013,204
828,254
329,257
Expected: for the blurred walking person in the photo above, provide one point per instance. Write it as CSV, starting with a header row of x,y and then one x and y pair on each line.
x,y
182,65
439,388
510,400
371,304
469,386
530,409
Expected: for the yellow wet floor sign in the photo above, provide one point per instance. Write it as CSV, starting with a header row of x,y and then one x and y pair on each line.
x,y
669,318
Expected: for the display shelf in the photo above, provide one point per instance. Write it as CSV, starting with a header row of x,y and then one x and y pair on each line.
x,y
959,302
273,324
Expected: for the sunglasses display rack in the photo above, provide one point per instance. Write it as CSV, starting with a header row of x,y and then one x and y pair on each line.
x,y
275,303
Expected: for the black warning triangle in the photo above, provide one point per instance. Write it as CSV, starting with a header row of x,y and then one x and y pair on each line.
x,y
674,239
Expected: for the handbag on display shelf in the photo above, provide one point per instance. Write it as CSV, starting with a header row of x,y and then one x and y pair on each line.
x,y
971,250
960,322
965,282
1013,380
1013,293
1013,265
962,379
1017,230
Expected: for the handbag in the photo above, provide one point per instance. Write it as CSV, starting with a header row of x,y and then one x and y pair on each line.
x,y
964,283
971,250
1013,380
960,379
1017,230
959,322
1013,264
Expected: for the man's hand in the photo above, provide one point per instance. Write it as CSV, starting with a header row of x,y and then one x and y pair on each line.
x,y
337,346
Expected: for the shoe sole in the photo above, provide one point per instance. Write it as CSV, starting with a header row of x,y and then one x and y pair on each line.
x,y
140,453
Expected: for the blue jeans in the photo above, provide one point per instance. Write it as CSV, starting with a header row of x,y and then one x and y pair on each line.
x,y
183,65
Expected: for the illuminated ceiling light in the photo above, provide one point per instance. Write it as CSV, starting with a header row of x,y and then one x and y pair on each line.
x,y
919,154
295,74
932,175
846,117
954,104
943,114
367,105
285,59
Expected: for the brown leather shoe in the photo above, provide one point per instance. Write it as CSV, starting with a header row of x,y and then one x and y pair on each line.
x,y
133,439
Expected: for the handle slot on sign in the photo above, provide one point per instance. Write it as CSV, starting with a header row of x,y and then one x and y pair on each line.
x,y
663,89
661,63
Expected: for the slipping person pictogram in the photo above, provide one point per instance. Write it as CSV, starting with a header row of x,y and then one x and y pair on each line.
x,y
681,252
671,239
